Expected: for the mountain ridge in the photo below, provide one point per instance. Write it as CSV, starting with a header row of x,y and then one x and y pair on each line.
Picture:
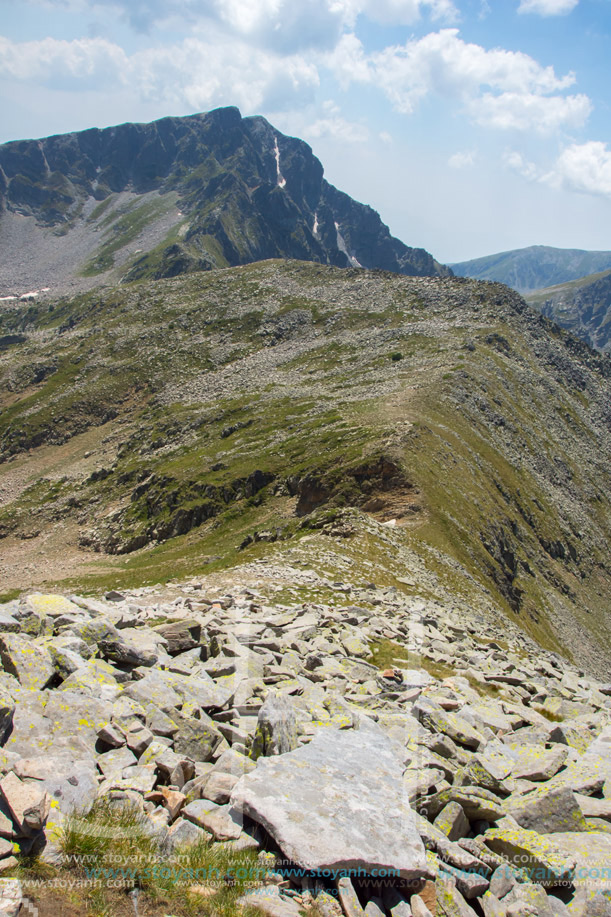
x,y
203,419
179,194
534,267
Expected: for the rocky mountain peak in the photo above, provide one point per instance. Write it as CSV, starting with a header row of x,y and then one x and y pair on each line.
x,y
177,195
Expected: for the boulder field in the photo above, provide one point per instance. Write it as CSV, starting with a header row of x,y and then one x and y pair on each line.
x,y
420,788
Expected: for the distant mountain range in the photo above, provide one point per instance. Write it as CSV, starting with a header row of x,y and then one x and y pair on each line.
x,y
568,285
535,267
145,201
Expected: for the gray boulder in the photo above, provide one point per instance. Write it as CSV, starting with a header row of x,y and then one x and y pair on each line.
x,y
30,663
276,731
547,812
197,739
337,803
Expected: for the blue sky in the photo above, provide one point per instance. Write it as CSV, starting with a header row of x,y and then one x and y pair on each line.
x,y
472,126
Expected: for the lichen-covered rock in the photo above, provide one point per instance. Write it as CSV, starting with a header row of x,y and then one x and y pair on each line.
x,y
337,802
95,678
453,725
453,821
29,662
543,860
450,902
198,739
535,762
276,731
11,897
547,811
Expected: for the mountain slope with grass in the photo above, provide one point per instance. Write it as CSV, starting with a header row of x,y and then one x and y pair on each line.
x,y
581,306
528,269
433,434
142,201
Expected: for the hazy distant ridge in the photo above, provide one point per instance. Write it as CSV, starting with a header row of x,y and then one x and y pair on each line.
x,y
527,269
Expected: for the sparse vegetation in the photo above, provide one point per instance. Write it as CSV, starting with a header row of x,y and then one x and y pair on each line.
x,y
386,654
114,841
199,383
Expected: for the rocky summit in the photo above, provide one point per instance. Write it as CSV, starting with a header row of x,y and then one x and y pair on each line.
x,y
178,195
378,755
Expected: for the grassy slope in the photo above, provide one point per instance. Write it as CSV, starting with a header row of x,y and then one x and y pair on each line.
x,y
193,384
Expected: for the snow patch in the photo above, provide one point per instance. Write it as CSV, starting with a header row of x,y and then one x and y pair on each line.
x,y
315,226
341,244
25,297
281,181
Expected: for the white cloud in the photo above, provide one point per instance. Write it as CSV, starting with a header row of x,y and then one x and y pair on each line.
x,y
194,73
333,124
338,128
399,12
499,88
583,167
547,7
462,159
54,61
349,62
528,111
268,55
283,25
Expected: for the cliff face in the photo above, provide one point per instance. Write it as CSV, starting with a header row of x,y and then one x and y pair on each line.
x,y
182,194
583,307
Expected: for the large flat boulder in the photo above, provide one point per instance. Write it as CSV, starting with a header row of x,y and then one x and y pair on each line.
x,y
337,803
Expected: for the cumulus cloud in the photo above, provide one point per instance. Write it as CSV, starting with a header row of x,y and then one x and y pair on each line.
x,y
339,128
284,25
194,73
52,61
268,54
547,7
528,111
399,12
498,88
584,167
